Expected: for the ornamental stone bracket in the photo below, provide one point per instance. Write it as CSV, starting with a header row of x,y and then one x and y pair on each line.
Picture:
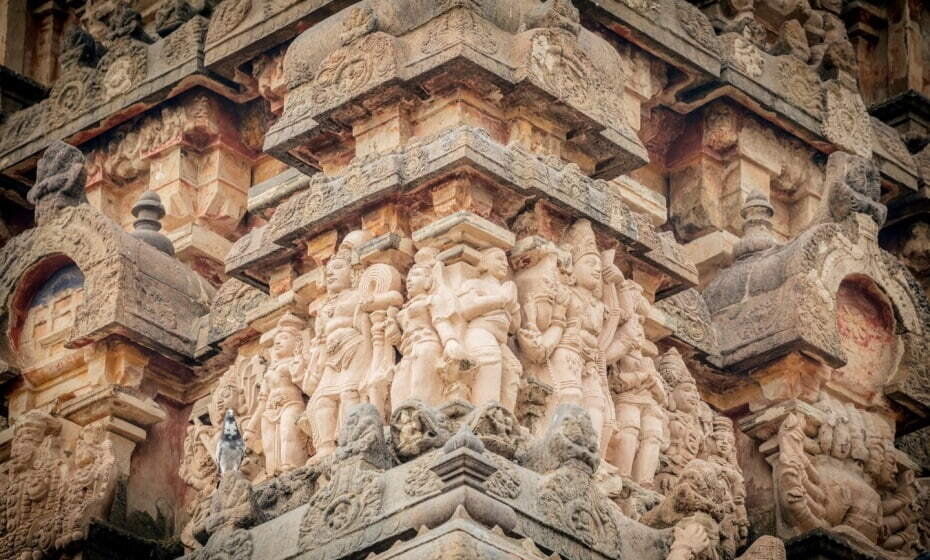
x,y
532,73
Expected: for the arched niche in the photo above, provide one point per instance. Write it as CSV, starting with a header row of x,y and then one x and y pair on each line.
x,y
868,332
43,309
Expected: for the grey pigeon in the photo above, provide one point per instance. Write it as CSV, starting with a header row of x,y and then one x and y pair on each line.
x,y
230,450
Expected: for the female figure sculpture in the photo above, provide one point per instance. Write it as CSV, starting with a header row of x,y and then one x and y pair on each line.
x,y
281,402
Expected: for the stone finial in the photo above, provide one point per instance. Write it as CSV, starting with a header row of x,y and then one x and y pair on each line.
x,y
60,181
757,214
149,211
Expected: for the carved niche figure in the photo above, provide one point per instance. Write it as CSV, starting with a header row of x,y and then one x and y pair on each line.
x,y
498,429
638,394
417,429
379,290
60,180
688,419
342,350
87,492
31,486
430,342
489,305
542,280
721,451
280,401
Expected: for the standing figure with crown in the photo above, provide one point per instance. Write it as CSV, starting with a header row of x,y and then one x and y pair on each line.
x,y
580,359
343,348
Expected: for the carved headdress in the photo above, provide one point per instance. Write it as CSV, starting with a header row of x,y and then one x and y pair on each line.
x,y
579,240
673,369
291,322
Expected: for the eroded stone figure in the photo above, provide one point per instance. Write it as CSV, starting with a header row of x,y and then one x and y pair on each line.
x,y
281,402
489,305
89,486
31,486
416,429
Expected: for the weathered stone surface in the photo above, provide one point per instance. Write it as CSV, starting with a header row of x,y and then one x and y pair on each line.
x,y
464,278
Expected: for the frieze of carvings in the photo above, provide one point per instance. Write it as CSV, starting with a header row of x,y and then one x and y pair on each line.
x,y
743,54
802,85
121,155
550,56
184,42
49,500
422,480
353,497
690,320
563,184
845,120
231,305
122,68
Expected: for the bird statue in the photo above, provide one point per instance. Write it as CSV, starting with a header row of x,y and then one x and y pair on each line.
x,y
230,450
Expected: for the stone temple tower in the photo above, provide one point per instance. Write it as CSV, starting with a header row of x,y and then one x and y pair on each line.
x,y
464,279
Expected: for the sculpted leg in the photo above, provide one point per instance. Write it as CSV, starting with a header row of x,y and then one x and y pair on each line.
x,y
647,458
324,411
293,443
628,424
424,382
566,376
270,446
347,399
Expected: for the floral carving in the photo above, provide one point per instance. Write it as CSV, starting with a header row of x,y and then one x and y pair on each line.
x,y
695,23
226,17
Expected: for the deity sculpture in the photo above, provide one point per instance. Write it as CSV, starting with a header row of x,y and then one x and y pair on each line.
x,y
342,351
542,281
31,483
638,394
573,319
280,401
687,416
489,305
89,487
430,343
721,451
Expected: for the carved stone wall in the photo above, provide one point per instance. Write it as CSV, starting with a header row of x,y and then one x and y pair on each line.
x,y
464,279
